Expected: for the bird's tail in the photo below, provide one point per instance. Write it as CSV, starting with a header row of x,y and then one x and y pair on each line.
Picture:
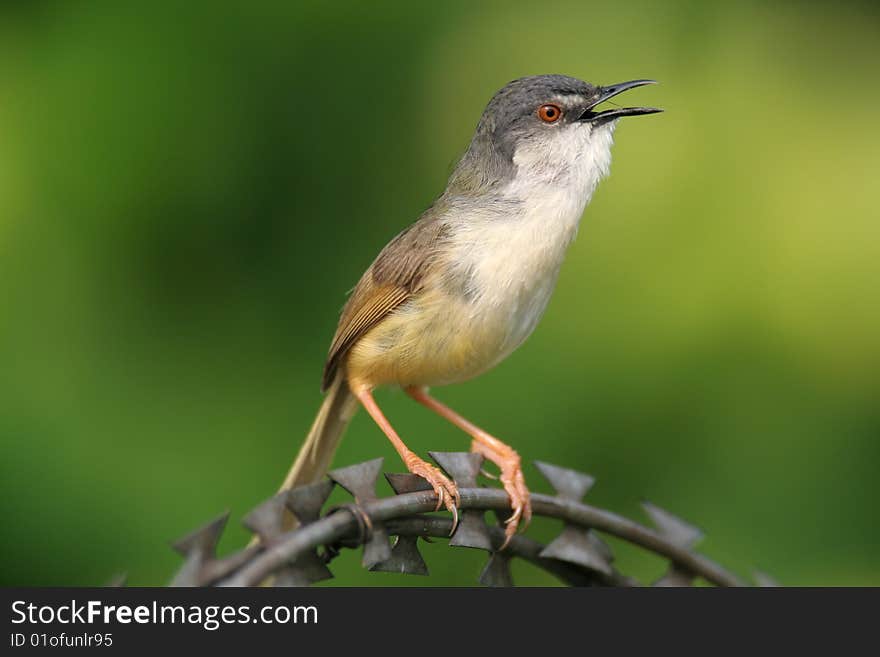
x,y
323,438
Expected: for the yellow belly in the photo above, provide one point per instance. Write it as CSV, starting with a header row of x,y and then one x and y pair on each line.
x,y
443,336
479,304
433,339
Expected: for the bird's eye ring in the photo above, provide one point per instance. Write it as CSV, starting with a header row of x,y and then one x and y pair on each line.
x,y
549,113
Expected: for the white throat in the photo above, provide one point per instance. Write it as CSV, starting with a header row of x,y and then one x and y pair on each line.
x,y
511,259
557,179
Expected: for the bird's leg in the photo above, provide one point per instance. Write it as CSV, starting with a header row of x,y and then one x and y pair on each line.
x,y
494,450
447,493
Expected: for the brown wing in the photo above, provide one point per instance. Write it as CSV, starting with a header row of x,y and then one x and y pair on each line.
x,y
393,278
367,306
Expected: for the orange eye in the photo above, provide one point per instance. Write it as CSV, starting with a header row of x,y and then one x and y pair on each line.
x,y
549,113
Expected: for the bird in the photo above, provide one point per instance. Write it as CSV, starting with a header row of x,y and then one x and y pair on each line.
x,y
460,289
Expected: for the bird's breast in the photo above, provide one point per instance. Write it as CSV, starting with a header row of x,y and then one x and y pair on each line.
x,y
504,271
485,299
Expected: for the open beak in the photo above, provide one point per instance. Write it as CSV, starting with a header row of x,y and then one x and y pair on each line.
x,y
599,118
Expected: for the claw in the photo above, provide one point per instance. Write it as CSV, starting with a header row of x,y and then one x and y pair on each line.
x,y
509,531
514,485
454,520
526,518
526,508
452,500
447,492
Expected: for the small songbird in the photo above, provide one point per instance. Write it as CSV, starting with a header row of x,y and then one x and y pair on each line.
x,y
461,288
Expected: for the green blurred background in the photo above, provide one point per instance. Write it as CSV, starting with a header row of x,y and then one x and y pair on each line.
x,y
187,192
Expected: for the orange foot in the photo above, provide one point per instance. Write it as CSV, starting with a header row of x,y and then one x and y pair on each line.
x,y
447,492
514,485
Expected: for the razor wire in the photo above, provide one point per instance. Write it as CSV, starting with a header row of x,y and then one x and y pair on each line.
x,y
578,556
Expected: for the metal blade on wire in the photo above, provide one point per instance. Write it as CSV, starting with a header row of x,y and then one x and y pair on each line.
x,y
575,544
496,573
271,521
405,558
407,482
267,518
198,548
673,528
464,467
305,503
568,484
360,481
676,531
580,546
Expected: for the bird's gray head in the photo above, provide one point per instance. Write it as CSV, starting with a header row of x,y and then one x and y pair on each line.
x,y
543,127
